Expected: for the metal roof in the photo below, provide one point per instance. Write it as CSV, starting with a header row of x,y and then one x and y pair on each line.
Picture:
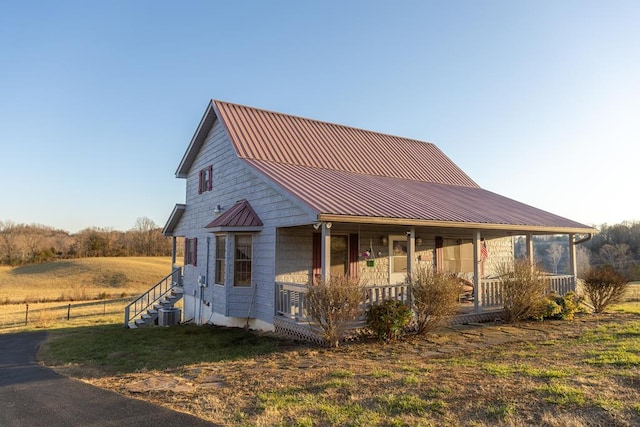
x,y
239,215
364,176
284,139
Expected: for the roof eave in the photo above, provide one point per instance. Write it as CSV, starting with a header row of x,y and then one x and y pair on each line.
x,y
522,228
174,219
208,118
235,229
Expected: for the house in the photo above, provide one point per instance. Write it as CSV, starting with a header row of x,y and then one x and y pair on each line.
x,y
275,201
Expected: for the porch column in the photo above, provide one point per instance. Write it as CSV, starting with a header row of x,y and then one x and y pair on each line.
x,y
530,249
411,250
325,251
477,304
173,252
573,265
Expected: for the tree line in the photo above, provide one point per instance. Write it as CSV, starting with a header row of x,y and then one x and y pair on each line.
x,y
615,245
22,244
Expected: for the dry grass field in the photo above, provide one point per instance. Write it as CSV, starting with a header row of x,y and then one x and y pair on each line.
x,y
81,279
79,292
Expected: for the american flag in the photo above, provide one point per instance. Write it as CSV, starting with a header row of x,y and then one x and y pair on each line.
x,y
483,250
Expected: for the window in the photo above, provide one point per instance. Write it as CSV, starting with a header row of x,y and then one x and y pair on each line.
x,y
190,251
458,255
242,261
206,180
221,255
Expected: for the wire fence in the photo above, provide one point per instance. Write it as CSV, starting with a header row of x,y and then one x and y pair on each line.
x,y
45,315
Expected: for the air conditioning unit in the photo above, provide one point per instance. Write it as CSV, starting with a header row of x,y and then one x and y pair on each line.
x,y
169,316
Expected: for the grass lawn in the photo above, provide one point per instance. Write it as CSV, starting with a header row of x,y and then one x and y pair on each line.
x,y
555,373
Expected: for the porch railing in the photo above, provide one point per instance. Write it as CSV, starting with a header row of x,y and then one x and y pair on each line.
x,y
291,301
491,289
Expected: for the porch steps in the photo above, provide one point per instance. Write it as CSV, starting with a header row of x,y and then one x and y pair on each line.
x,y
150,317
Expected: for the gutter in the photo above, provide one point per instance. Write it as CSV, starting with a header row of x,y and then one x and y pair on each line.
x,y
584,239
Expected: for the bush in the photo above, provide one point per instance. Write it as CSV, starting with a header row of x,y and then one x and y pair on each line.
x,y
562,307
524,290
333,304
388,319
435,296
604,286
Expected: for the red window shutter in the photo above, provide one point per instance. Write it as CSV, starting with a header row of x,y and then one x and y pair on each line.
x,y
210,183
439,253
353,255
195,251
316,251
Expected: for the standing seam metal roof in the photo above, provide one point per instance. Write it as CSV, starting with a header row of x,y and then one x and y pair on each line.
x,y
274,137
349,172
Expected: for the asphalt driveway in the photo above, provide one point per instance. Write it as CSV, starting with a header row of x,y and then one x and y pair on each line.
x,y
32,395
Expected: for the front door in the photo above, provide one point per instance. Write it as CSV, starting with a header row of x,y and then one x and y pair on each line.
x,y
339,255
397,259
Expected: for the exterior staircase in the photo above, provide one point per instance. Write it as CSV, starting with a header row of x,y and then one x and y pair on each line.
x,y
145,310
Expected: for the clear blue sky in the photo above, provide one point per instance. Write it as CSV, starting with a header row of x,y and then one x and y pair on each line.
x,y
535,100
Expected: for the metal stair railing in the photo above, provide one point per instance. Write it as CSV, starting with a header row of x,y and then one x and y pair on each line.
x,y
146,300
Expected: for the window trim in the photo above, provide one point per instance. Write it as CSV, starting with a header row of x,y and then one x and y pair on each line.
x,y
205,180
222,260
191,251
236,261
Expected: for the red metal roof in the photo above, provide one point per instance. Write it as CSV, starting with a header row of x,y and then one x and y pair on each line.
x,y
280,138
239,215
342,171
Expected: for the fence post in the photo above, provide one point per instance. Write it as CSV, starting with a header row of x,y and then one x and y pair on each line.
x,y
68,311
26,315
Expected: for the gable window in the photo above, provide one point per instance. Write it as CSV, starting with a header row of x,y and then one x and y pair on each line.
x,y
242,260
191,251
206,180
221,255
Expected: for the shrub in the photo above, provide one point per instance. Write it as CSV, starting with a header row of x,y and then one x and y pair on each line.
x,y
562,307
333,304
523,287
388,319
604,286
435,296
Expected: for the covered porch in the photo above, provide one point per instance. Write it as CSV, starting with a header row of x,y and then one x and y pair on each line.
x,y
384,255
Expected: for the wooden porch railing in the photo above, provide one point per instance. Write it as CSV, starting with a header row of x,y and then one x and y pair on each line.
x,y
491,289
291,301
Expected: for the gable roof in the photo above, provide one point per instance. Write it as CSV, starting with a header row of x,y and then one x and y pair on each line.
x,y
354,175
240,216
265,136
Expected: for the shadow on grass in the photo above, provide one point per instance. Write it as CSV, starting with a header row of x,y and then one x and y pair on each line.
x,y
112,349
46,268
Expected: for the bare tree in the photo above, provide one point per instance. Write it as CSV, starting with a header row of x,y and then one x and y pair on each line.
x,y
555,251
9,242
144,236
583,260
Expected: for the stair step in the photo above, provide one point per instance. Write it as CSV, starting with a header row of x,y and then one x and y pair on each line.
x,y
132,325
